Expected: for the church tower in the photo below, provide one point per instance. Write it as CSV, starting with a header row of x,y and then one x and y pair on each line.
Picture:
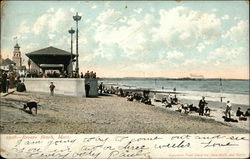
x,y
17,56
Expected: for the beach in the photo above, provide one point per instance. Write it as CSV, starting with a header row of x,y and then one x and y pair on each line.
x,y
107,114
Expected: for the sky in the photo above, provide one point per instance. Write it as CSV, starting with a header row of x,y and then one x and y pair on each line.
x,y
169,39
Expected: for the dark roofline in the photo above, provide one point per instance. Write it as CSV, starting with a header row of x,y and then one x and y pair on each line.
x,y
16,46
7,61
49,51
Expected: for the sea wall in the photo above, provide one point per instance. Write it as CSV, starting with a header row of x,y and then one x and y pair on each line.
x,y
63,86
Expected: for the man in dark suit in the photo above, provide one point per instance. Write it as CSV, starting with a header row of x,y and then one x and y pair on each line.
x,y
202,104
87,88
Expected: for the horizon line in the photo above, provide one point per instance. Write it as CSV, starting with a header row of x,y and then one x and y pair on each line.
x,y
200,78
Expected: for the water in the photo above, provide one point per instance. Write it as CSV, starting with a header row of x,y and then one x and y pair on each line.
x,y
208,85
237,91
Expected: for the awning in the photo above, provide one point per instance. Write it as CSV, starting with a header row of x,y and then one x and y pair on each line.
x,y
51,66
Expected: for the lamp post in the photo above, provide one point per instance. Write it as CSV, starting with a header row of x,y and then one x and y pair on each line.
x,y
71,31
77,18
29,63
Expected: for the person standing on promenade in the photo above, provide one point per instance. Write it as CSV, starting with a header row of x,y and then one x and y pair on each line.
x,y
81,75
87,88
202,104
4,82
101,88
52,87
86,74
8,84
228,109
91,74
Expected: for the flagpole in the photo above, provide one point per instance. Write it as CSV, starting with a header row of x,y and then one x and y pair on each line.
x,y
221,90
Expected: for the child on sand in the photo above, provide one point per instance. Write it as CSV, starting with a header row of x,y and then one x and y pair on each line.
x,y
52,87
228,109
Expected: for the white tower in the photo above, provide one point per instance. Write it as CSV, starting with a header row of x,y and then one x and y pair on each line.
x,y
17,56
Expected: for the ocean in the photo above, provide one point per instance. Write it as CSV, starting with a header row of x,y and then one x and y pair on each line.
x,y
235,90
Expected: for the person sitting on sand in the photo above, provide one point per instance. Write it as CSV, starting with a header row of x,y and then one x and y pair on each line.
x,y
247,113
202,104
164,99
184,108
228,109
175,100
241,115
120,92
239,112
207,111
130,98
193,108
167,104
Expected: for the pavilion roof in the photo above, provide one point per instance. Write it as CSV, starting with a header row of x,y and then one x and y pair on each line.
x,y
49,51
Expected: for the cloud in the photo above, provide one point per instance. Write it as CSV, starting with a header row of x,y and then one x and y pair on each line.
x,y
145,38
182,27
72,10
51,36
237,18
152,9
130,34
87,21
174,55
214,10
187,62
225,54
93,7
53,20
200,47
225,17
240,32
24,28
138,10
108,16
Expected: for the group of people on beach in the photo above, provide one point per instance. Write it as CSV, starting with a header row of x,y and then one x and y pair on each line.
x,y
112,90
88,74
143,98
9,80
241,115
228,111
168,101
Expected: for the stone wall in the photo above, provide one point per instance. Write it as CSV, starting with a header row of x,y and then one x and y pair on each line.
x,y
63,86
93,92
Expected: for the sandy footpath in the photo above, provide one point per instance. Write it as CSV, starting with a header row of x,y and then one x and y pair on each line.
x,y
105,114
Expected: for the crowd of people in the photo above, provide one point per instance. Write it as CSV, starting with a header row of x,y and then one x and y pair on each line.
x,y
88,74
9,80
169,100
61,74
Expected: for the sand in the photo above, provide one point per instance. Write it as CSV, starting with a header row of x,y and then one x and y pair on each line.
x,y
105,114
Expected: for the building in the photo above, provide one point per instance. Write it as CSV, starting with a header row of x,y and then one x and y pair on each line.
x,y
17,59
7,65
50,58
17,56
